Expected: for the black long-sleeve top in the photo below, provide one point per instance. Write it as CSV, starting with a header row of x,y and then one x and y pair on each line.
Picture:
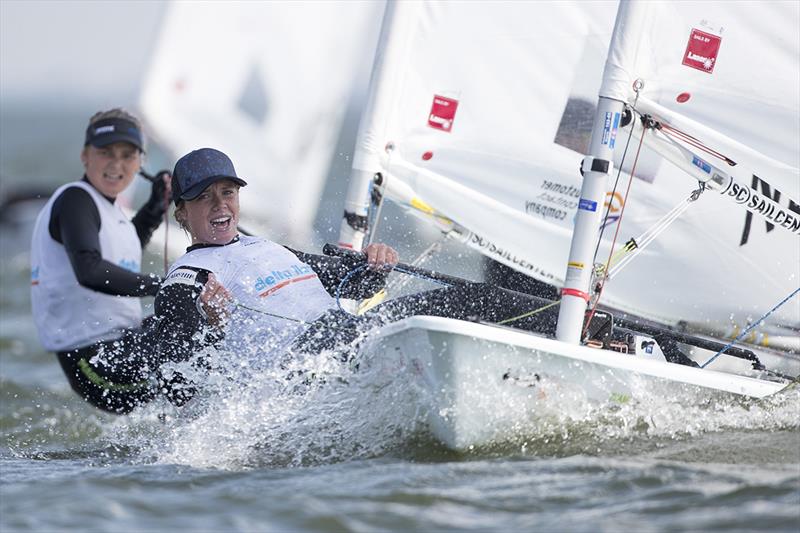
x,y
75,223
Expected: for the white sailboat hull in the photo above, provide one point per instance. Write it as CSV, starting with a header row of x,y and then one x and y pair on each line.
x,y
481,384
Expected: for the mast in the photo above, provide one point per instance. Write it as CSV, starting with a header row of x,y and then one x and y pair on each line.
x,y
385,78
596,168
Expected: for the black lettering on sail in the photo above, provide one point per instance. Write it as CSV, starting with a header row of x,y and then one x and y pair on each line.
x,y
766,190
793,223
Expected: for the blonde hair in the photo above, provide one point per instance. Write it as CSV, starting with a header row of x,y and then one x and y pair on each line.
x,y
117,112
180,216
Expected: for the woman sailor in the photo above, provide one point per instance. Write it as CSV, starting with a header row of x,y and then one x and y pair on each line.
x,y
249,294
276,290
85,261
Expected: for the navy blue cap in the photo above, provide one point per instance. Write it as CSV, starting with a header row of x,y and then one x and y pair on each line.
x,y
114,130
198,169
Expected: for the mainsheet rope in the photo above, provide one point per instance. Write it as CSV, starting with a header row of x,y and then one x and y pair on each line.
x,y
751,326
166,233
434,280
152,179
398,268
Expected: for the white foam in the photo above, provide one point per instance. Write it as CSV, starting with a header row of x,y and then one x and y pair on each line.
x,y
315,409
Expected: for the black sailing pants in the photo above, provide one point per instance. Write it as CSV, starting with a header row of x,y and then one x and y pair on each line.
x,y
118,375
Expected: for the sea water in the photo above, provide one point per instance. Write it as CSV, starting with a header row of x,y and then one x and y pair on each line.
x,y
349,451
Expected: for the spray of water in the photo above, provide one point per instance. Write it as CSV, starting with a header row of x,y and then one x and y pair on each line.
x,y
308,409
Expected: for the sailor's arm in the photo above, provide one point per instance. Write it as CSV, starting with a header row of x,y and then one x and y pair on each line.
x,y
365,283
190,310
75,223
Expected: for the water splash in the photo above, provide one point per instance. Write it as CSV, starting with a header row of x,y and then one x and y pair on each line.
x,y
311,409
315,409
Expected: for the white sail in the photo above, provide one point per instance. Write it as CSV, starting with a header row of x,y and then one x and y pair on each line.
x,y
477,117
728,74
268,84
467,93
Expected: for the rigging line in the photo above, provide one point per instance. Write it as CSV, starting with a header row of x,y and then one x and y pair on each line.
x,y
166,233
697,144
651,234
748,328
529,313
298,320
621,255
397,268
422,276
419,275
373,229
692,141
344,281
637,86
616,233
152,179
627,248
398,283
614,190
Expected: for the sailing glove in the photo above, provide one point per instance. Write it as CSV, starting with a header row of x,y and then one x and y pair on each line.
x,y
159,198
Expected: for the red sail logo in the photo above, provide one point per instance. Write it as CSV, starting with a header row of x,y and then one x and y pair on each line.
x,y
701,51
443,112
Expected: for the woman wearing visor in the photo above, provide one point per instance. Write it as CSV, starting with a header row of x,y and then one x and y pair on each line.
x,y
85,269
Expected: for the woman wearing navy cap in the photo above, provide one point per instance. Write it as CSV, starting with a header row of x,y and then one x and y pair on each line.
x,y
251,296
85,269
277,290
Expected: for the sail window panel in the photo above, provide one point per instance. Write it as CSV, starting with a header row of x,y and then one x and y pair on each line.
x,y
254,101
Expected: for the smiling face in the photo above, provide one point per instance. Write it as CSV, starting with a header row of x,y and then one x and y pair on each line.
x,y
212,217
110,169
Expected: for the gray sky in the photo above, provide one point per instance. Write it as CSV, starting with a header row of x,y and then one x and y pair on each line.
x,y
53,52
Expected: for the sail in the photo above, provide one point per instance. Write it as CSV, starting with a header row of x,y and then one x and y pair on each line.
x,y
479,117
728,76
465,112
268,84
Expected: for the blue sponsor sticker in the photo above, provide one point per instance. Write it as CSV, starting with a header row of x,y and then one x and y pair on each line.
x,y
587,205
607,128
614,131
702,165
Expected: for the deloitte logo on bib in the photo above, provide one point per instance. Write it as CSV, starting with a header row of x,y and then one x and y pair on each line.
x,y
277,279
129,264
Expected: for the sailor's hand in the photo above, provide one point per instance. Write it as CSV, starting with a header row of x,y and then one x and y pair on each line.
x,y
161,193
381,257
214,301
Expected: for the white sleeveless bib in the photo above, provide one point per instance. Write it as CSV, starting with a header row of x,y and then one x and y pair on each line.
x,y
275,293
68,315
